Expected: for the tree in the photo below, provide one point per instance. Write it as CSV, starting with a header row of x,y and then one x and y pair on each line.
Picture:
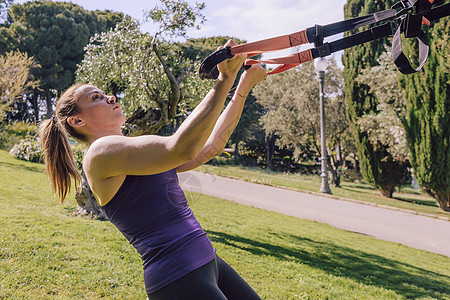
x,y
292,112
251,113
377,165
153,81
197,50
15,78
386,126
427,121
200,48
55,34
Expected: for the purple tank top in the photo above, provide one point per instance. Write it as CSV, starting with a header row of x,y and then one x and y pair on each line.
x,y
152,213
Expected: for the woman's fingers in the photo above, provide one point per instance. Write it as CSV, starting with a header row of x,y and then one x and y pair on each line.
x,y
231,66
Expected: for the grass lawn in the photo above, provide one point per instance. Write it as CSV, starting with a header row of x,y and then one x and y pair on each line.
x,y
407,198
47,254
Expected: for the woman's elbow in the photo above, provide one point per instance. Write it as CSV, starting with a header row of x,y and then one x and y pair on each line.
x,y
185,152
205,154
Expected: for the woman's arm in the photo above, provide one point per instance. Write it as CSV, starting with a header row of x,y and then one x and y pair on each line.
x,y
118,155
228,120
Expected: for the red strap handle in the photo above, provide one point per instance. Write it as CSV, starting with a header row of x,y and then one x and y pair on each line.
x,y
285,63
272,44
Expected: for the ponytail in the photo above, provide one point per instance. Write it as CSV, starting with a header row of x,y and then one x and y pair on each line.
x,y
53,133
58,157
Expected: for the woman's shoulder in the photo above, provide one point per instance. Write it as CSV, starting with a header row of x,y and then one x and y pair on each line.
x,y
100,149
106,145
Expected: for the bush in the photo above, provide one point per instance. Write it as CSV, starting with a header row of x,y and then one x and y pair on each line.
x,y
78,153
222,160
13,133
27,150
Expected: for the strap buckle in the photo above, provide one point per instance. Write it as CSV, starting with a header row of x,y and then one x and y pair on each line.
x,y
405,8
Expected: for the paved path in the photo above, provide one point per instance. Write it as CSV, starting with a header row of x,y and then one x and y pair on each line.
x,y
396,226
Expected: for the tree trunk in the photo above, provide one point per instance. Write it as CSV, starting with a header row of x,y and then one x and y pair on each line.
x,y
270,147
236,152
48,100
87,204
333,168
35,104
335,178
442,198
387,191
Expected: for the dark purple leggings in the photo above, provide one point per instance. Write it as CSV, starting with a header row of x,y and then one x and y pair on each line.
x,y
215,280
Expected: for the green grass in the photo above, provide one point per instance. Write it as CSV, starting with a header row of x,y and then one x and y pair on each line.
x,y
47,254
407,198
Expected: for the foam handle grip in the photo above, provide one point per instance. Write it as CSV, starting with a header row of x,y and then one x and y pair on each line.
x,y
208,68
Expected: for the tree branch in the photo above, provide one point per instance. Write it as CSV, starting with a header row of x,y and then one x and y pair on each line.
x,y
175,94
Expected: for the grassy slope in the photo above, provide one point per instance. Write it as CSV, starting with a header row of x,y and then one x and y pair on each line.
x,y
46,254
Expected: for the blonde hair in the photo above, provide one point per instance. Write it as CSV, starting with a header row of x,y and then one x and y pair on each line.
x,y
59,160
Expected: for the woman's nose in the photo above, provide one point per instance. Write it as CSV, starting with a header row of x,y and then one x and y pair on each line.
x,y
111,99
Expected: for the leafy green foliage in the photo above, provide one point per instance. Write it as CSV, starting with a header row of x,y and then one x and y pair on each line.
x,y
54,33
15,77
427,122
27,150
175,16
78,150
200,48
12,133
385,126
377,165
291,102
21,140
123,62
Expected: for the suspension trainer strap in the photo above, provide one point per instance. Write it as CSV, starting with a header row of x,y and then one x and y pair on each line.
x,y
410,25
327,48
316,34
405,17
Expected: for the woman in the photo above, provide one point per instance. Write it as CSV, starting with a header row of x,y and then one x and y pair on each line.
x,y
134,180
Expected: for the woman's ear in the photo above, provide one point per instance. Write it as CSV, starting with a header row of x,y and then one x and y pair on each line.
x,y
75,121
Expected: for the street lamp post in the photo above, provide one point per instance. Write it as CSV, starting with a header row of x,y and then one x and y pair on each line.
x,y
321,64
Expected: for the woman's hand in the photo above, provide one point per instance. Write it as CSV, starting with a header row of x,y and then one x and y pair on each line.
x,y
250,78
230,67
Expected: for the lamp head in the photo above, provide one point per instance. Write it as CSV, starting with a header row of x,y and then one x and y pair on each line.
x,y
320,64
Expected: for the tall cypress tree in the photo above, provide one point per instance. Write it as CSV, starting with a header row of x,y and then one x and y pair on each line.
x,y
377,165
427,122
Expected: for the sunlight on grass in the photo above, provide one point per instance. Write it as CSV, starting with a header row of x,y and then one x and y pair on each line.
x,y
46,254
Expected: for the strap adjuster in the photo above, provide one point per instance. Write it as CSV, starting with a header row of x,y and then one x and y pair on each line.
x,y
324,50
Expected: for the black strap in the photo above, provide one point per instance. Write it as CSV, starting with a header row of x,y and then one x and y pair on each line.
x,y
317,33
438,12
407,20
400,59
410,25
353,40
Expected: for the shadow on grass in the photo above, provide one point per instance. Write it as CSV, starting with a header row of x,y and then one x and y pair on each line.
x,y
369,269
21,166
417,201
362,190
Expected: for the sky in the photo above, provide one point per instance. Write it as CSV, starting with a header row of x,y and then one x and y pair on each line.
x,y
249,20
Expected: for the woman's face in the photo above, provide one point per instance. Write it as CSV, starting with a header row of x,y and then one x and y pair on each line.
x,y
99,112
